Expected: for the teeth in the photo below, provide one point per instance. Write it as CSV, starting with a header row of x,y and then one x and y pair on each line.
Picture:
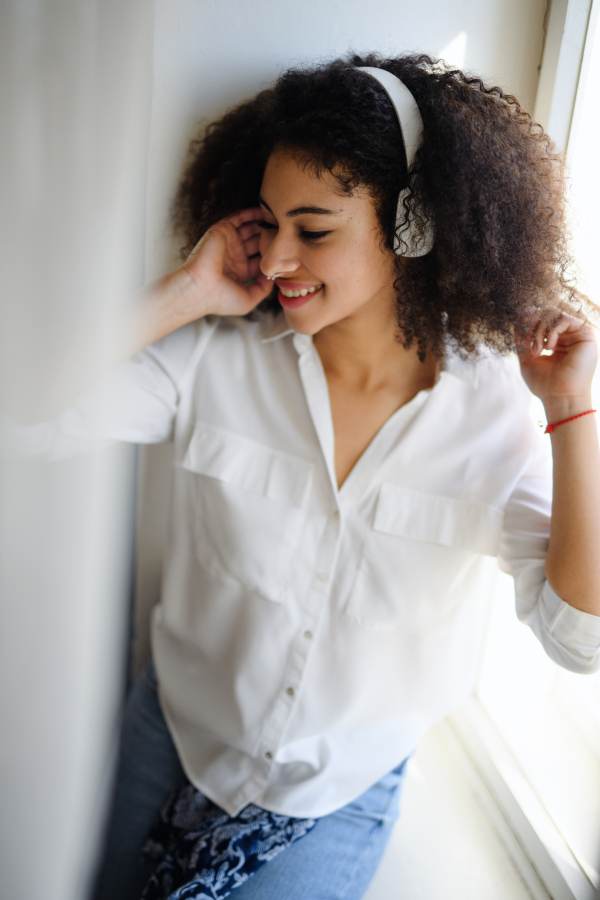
x,y
301,293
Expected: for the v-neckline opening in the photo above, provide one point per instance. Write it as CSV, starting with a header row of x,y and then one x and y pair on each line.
x,y
377,437
307,351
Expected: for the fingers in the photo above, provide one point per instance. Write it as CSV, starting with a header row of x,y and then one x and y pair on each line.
x,y
240,243
530,343
249,233
254,271
260,289
550,334
248,230
567,332
251,245
253,214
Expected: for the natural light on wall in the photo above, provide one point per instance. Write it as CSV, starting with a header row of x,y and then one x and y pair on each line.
x,y
548,717
455,52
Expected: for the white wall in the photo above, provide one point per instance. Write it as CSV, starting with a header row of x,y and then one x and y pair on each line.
x,y
75,79
210,54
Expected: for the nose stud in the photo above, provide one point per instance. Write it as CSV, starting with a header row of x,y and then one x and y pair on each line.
x,y
273,277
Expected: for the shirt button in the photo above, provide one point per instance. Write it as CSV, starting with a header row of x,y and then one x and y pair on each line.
x,y
308,635
336,514
290,691
322,576
269,755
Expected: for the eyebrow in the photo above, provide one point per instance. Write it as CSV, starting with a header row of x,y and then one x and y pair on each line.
x,y
303,210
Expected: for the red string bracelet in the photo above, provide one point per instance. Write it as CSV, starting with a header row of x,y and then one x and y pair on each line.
x,y
550,428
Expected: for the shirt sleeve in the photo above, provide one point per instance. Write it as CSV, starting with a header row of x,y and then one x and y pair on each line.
x,y
137,402
569,636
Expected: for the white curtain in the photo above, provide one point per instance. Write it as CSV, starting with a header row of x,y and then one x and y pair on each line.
x,y
75,96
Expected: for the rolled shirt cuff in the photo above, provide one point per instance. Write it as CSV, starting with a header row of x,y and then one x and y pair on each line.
x,y
576,631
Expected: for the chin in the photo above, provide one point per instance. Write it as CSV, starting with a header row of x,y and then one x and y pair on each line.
x,y
308,326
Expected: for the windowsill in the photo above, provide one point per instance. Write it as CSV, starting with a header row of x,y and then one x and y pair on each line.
x,y
514,796
452,841
542,722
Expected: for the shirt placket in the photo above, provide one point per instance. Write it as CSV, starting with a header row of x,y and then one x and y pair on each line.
x,y
315,603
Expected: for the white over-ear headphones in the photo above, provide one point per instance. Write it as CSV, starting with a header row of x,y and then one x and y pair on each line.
x,y
411,127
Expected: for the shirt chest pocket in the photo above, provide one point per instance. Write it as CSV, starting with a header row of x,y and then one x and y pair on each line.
x,y
417,558
249,504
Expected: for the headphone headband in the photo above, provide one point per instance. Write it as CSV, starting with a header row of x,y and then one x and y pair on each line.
x,y
411,128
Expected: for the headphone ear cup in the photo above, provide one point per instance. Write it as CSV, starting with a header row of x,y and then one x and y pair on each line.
x,y
406,240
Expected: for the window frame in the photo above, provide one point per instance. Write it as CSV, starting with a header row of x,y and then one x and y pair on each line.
x,y
571,29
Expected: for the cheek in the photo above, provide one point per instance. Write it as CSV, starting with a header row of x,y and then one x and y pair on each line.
x,y
352,267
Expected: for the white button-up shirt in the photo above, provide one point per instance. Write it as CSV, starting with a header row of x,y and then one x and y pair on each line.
x,y
308,636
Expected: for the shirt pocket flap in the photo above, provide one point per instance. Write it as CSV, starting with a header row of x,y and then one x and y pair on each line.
x,y
248,465
461,524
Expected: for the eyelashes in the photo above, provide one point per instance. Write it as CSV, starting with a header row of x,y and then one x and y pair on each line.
x,y
309,236
313,235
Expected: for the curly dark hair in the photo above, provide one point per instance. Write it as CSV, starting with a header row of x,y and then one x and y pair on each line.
x,y
488,177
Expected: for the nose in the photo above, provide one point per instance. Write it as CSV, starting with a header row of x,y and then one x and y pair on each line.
x,y
275,261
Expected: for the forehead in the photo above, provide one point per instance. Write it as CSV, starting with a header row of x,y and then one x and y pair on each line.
x,y
291,181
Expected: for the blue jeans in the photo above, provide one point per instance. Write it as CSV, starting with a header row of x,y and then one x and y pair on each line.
x,y
337,859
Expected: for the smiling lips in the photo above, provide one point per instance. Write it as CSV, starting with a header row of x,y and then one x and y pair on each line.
x,y
293,294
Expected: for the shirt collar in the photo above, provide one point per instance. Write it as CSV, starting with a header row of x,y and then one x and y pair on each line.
x,y
278,328
274,329
464,369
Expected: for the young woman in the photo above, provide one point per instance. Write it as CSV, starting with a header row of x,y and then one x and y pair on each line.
x,y
350,459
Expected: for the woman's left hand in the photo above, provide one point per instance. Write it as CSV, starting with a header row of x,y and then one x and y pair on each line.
x,y
562,380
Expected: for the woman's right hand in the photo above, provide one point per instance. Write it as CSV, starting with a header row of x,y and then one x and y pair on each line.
x,y
222,276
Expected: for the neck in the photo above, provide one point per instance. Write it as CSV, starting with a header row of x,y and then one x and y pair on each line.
x,y
365,353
